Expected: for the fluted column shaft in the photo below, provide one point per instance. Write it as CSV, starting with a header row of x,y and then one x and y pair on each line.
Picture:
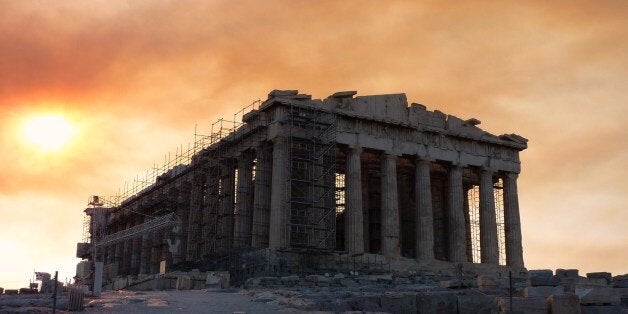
x,y
244,201
279,236
390,207
425,220
456,222
227,194
261,199
354,217
489,249
514,249
193,221
145,253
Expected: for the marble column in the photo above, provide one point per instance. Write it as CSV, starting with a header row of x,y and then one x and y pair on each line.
x,y
456,222
145,253
244,201
227,194
279,236
155,251
390,207
489,249
514,250
425,219
354,224
193,219
261,197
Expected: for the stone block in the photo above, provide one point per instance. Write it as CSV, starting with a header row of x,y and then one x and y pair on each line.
x,y
543,291
184,282
221,279
347,282
620,281
398,303
541,273
269,281
290,280
523,305
600,309
1,290
488,282
436,302
318,279
401,281
10,291
476,302
590,283
604,275
566,273
598,296
543,281
563,304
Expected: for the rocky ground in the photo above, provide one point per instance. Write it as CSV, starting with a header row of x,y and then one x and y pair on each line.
x,y
541,291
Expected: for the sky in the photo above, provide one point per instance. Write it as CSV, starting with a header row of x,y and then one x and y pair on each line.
x,y
133,78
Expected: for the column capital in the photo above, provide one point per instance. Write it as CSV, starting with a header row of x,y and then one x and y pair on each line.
x,y
511,175
423,158
278,139
356,149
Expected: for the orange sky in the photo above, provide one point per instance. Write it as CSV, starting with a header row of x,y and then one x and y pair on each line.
x,y
135,77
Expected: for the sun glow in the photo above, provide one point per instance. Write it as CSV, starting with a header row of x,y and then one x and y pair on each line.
x,y
49,132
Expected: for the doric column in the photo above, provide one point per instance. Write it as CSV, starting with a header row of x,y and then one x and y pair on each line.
x,y
278,236
261,198
456,223
145,253
193,219
354,224
209,215
390,207
425,220
489,249
136,250
244,201
225,218
155,251
514,250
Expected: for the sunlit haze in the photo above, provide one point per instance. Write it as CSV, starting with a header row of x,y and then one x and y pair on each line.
x,y
48,132
94,93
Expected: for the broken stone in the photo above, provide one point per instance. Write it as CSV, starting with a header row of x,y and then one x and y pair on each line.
x,y
604,275
436,302
563,304
543,291
184,282
523,305
600,309
598,296
566,273
488,282
398,303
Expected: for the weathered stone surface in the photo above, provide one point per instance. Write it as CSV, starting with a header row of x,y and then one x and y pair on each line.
x,y
399,303
598,296
544,291
569,273
600,309
523,305
488,282
563,304
541,273
543,281
604,275
474,302
318,279
184,282
436,302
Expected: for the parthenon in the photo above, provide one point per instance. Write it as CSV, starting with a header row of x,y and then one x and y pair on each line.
x,y
349,175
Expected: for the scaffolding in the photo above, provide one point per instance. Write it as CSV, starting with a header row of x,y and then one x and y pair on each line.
x,y
312,155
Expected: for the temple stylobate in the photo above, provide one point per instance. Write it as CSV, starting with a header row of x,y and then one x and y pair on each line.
x,y
352,175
